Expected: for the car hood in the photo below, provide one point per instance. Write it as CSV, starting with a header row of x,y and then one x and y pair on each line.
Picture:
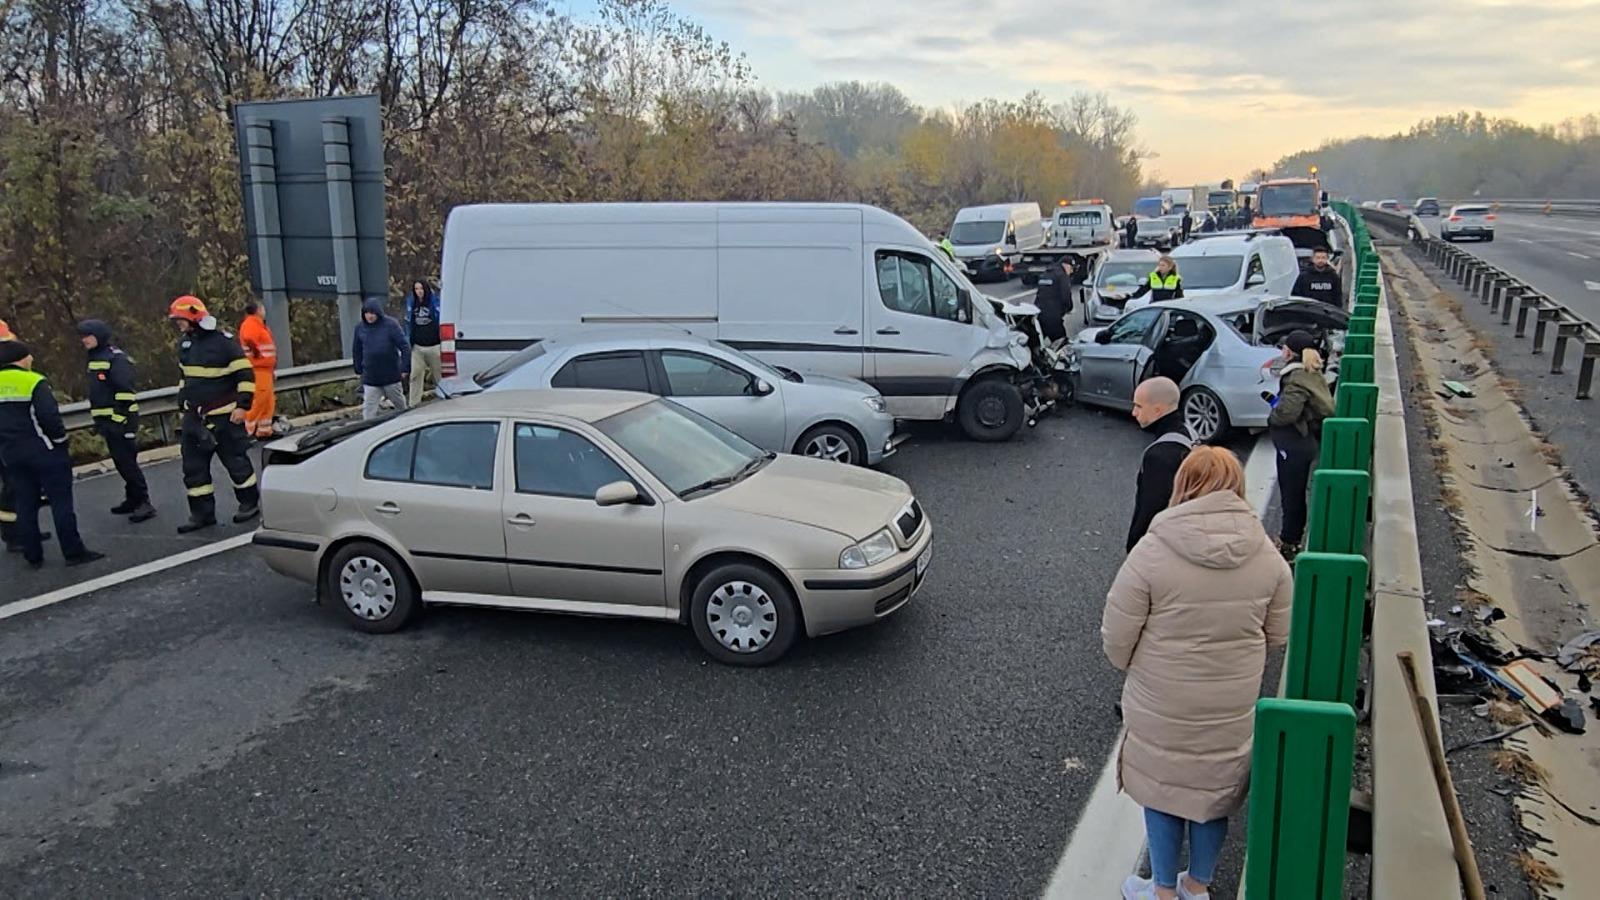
x,y
835,382
847,500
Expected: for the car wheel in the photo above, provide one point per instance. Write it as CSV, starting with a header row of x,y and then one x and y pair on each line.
x,y
835,442
743,616
991,410
1488,238
371,588
1205,415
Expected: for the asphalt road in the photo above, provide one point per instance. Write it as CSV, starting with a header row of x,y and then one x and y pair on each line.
x,y
1558,255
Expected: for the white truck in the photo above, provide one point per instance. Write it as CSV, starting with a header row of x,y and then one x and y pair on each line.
x,y
1177,200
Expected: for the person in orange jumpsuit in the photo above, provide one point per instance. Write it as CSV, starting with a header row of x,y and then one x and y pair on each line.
x,y
256,339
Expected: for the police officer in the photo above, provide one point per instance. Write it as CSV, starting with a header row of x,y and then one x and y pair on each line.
x,y
1163,284
1130,229
33,443
1054,299
216,390
1320,281
115,410
1187,224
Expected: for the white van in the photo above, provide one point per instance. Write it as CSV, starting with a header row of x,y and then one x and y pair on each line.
x,y
835,289
1257,262
1083,223
990,240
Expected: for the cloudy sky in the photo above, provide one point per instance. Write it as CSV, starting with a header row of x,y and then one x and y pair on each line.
x,y
1220,86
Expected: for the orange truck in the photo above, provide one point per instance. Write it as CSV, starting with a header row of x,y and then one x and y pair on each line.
x,y
1293,207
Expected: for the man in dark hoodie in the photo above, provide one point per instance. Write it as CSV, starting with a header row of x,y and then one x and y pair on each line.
x,y
1155,408
115,409
382,357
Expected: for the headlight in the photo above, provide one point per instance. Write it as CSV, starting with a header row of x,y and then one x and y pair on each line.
x,y
875,403
869,552
999,251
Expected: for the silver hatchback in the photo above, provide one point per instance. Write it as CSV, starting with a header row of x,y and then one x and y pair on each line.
x,y
781,410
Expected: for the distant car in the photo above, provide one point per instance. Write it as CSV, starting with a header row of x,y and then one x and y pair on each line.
x,y
1468,220
1390,205
597,503
1160,232
841,419
1119,275
1369,204
1427,206
1213,347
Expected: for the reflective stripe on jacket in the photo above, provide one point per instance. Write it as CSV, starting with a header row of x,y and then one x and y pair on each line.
x,y
255,338
29,416
215,373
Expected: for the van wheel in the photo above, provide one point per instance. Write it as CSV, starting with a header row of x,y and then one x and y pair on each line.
x,y
991,410
1205,415
830,441
371,588
743,616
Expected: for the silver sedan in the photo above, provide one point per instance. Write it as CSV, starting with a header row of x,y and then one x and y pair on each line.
x,y
807,414
1214,348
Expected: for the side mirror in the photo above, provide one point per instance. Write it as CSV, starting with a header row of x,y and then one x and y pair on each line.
x,y
1103,336
617,493
964,308
762,388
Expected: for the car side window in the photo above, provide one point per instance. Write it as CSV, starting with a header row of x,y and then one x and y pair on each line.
x,y
453,454
1256,268
694,375
555,462
1133,327
620,371
911,283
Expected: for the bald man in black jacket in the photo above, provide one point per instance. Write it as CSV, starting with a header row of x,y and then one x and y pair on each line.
x,y
1155,407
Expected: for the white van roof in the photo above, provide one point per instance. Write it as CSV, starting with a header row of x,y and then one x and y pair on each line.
x,y
501,215
995,212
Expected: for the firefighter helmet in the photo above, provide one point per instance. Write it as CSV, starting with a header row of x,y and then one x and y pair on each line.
x,y
187,307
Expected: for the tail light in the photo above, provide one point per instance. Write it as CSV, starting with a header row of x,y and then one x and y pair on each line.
x,y
1455,218
1490,217
447,348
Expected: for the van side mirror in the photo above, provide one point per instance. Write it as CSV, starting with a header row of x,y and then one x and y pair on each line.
x,y
964,307
617,493
761,387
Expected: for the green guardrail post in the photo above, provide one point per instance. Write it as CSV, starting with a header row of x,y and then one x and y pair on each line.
x,y
1338,521
1356,401
1363,324
1369,294
1359,345
1346,444
1330,599
1300,773
1359,367
1365,307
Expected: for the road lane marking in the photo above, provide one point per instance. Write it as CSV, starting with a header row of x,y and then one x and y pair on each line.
x,y
1579,255
1592,285
1107,844
18,607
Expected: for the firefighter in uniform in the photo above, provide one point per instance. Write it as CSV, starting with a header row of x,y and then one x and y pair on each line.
x,y
256,339
216,381
33,443
115,410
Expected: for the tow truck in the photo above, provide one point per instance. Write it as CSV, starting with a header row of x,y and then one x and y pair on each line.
x,y
1082,232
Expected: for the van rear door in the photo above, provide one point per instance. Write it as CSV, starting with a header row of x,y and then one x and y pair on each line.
x,y
789,286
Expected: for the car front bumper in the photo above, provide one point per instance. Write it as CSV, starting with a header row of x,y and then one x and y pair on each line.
x,y
987,266
835,600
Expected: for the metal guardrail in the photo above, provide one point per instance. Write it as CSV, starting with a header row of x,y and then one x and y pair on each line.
x,y
158,405
1506,294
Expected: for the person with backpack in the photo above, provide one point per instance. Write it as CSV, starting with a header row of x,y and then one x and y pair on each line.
x,y
1155,408
1302,402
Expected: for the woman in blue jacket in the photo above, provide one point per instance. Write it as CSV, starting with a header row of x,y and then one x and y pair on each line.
x,y
382,357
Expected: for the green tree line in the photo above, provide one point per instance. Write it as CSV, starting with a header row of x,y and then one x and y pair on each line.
x,y
1460,156
119,186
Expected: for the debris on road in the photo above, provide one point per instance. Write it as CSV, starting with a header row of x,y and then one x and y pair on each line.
x,y
1459,389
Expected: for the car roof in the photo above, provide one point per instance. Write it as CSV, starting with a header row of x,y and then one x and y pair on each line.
x,y
1132,256
1223,244
629,337
581,404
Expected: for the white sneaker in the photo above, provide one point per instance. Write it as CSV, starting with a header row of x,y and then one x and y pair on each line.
x,y
1136,888
1185,895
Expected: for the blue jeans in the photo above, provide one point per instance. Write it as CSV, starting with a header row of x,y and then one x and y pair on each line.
x,y
1165,834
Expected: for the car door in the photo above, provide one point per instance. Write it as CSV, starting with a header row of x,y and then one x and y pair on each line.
x,y
920,344
727,394
562,546
1107,372
432,492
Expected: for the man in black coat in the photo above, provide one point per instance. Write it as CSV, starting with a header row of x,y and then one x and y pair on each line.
x,y
1320,281
1155,407
114,407
1054,299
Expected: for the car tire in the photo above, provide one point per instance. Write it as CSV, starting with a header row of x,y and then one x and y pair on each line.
x,y
1488,239
729,595
371,589
1205,415
991,410
832,441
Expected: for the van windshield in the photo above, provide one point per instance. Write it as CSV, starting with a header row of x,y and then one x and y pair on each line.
x,y
1209,273
1289,200
977,232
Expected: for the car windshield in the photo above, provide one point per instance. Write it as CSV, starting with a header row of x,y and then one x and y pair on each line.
x,y
510,364
977,232
686,451
1124,276
1220,198
1149,206
752,362
1210,272
1154,225
1173,221
1289,200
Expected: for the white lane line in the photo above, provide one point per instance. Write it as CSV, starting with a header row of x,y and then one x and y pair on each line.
x,y
19,607
1592,285
1579,255
1107,844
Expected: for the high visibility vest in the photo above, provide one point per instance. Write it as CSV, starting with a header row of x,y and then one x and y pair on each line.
x,y
1169,283
17,385
948,248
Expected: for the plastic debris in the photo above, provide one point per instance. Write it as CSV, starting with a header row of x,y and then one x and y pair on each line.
x,y
1455,610
1568,717
1490,614
1459,389
1435,623
1582,653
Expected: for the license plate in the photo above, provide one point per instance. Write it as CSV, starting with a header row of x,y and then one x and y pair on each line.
x,y
924,559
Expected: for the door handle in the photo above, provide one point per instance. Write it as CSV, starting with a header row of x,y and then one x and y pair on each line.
x,y
521,520
845,329
888,331
388,508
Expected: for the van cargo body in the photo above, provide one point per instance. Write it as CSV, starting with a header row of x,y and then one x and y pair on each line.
x,y
837,289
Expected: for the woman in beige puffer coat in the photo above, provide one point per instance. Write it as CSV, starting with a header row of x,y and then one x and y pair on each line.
x,y
1189,619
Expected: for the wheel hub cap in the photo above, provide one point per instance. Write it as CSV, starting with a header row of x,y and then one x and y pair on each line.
x,y
367,588
742,616
992,412
829,446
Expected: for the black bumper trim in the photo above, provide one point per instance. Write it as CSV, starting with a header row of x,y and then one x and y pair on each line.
x,y
267,540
